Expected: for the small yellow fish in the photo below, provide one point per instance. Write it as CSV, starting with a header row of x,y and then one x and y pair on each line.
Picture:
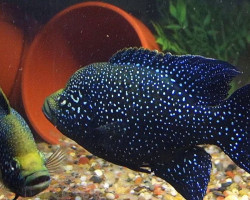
x,y
24,170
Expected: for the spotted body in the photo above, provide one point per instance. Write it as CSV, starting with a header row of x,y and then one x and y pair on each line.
x,y
23,169
148,109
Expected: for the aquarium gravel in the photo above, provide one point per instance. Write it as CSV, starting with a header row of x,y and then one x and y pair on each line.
x,y
84,176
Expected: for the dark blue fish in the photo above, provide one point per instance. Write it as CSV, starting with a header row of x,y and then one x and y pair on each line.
x,y
148,110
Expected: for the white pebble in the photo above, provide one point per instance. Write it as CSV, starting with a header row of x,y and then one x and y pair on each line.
x,y
165,187
244,197
78,198
132,191
216,162
237,179
231,197
146,195
83,178
110,196
105,185
68,167
98,172
66,189
229,180
173,192
84,184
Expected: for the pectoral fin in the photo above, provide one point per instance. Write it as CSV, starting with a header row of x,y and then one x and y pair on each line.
x,y
55,161
188,172
112,129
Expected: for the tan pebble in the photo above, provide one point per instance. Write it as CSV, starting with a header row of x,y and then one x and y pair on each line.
x,y
232,186
141,198
227,193
244,191
122,190
232,197
235,191
214,170
110,196
154,181
72,185
72,154
168,197
131,176
209,196
146,195
77,180
55,177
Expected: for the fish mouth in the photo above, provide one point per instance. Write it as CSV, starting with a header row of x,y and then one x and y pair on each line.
x,y
36,183
47,110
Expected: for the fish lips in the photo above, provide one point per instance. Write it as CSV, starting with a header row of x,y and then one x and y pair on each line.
x,y
35,183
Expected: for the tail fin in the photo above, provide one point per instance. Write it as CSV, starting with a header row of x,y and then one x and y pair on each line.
x,y
234,133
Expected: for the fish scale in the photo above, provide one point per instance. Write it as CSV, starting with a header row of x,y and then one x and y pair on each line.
x,y
149,109
134,101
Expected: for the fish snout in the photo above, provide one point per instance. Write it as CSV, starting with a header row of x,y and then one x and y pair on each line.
x,y
50,106
36,183
47,109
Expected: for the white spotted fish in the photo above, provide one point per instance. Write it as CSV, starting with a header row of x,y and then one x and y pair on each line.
x,y
149,110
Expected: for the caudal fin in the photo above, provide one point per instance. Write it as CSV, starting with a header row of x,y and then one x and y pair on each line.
x,y
234,132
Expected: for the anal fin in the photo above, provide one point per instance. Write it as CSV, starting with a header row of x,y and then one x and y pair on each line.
x,y
188,172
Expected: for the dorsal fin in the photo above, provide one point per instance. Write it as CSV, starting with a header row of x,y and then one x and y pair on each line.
x,y
4,103
206,79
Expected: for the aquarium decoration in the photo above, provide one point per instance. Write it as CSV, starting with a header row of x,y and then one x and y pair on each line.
x,y
209,28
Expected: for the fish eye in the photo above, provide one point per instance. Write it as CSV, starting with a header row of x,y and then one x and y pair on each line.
x,y
62,100
14,164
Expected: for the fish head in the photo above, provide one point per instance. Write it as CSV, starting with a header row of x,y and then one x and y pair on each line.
x,y
26,175
58,109
52,106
